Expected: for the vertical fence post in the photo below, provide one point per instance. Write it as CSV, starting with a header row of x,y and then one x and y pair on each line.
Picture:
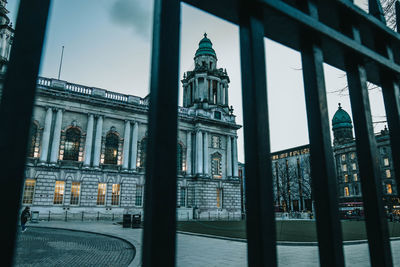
x,y
16,112
82,215
66,215
328,225
391,94
161,187
367,153
98,215
261,233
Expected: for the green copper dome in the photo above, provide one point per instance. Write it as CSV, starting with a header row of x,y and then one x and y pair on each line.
x,y
341,119
205,47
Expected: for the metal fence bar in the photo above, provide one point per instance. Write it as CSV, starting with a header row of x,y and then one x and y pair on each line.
x,y
16,111
368,159
321,155
160,190
283,24
261,235
391,96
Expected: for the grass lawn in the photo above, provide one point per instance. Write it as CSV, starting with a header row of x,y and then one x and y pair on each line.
x,y
298,231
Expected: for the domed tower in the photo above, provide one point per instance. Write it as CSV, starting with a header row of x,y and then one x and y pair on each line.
x,y
342,127
206,86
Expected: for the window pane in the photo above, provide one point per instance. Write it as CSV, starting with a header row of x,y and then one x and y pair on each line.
x,y
389,188
59,192
111,149
101,194
386,161
139,195
75,192
71,146
115,194
183,197
28,191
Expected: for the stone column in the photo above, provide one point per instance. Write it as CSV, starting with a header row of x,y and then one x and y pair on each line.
x,y
219,101
210,94
196,89
46,135
97,142
134,145
89,140
205,153
55,146
189,153
127,135
228,157
199,152
235,158
226,95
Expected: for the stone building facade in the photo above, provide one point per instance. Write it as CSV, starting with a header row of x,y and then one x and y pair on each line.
x,y
292,173
348,177
292,179
87,146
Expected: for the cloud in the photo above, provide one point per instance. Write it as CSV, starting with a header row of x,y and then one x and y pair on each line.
x,y
134,14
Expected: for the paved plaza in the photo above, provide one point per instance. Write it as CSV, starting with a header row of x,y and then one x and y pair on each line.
x,y
191,250
58,247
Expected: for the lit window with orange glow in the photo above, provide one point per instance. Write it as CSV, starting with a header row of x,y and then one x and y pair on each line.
x,y
219,197
101,194
29,189
59,192
346,191
389,189
115,194
388,174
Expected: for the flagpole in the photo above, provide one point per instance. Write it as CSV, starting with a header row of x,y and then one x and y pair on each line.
x,y
59,70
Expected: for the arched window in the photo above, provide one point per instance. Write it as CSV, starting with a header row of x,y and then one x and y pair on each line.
x,y
32,140
111,149
179,159
216,167
72,142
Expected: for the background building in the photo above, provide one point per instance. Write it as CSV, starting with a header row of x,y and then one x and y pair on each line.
x,y
348,177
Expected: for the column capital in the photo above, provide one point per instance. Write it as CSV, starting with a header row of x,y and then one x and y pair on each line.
x,y
98,116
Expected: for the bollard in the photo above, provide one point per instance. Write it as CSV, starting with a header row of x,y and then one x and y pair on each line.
x,y
82,215
113,217
49,216
228,216
66,215
98,215
209,218
188,215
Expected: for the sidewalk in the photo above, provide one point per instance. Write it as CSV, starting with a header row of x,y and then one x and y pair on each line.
x,y
203,251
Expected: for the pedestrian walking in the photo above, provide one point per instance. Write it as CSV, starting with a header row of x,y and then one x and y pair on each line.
x,y
25,215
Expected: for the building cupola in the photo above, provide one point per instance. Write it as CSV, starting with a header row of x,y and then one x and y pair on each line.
x,y
342,127
206,86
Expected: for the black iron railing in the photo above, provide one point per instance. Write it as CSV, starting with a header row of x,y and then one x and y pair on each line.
x,y
334,32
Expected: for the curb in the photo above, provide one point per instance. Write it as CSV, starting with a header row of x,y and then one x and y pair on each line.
x,y
281,243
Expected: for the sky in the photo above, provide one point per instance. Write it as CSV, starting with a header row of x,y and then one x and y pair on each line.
x,y
107,44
